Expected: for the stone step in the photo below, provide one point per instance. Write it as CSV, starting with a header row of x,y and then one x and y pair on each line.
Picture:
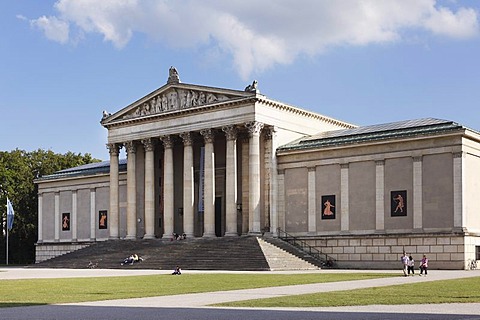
x,y
279,259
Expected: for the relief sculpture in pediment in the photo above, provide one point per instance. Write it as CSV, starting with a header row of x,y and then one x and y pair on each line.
x,y
174,100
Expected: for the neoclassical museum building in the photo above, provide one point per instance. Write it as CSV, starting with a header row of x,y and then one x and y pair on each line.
x,y
214,162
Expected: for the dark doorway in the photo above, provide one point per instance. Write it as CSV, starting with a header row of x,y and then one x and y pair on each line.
x,y
218,216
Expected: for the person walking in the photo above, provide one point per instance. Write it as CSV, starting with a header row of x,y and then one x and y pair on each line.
x,y
424,265
411,265
405,261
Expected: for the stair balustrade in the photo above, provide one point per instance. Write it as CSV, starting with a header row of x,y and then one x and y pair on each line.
x,y
303,246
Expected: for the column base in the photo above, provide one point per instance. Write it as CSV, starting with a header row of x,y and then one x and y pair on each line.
x,y
254,233
209,235
130,237
231,234
149,236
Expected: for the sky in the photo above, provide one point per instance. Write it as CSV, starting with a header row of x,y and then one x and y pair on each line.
x,y
364,62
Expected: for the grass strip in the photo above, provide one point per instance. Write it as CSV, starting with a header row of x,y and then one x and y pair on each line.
x,y
444,291
68,290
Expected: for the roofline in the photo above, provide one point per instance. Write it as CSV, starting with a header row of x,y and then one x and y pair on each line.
x,y
364,139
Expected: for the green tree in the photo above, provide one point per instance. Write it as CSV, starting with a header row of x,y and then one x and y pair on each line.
x,y
18,170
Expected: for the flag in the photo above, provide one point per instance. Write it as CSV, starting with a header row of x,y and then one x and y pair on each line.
x,y
10,214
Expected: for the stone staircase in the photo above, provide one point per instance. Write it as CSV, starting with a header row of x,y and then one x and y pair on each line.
x,y
245,253
294,251
236,253
279,259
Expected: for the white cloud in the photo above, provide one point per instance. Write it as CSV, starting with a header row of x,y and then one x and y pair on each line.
x,y
463,24
258,34
55,29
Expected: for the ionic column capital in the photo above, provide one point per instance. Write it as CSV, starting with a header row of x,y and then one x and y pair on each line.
x,y
230,132
208,135
187,138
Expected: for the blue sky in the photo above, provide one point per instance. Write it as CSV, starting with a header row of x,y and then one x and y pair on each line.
x,y
365,62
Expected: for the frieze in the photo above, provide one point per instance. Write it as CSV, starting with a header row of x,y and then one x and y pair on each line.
x,y
174,100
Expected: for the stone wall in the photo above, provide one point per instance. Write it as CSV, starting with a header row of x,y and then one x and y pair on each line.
x,y
48,251
445,251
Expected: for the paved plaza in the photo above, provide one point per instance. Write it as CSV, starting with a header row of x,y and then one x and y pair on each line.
x,y
196,306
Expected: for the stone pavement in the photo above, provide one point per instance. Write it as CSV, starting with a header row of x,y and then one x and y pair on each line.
x,y
202,300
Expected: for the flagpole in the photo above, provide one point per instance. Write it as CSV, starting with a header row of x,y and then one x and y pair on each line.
x,y
7,242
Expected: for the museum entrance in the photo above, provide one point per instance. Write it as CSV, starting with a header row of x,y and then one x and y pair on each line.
x,y
218,217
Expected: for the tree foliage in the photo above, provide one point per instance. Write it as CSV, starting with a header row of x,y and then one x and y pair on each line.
x,y
18,170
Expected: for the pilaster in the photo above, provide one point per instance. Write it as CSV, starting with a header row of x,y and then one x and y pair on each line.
x,y
380,195
344,198
417,193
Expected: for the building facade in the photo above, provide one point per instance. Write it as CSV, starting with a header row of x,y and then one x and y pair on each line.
x,y
213,162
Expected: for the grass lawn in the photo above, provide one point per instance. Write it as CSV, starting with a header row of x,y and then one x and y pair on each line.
x,y
51,291
447,291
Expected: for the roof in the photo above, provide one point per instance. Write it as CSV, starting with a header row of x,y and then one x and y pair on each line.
x,y
85,170
408,128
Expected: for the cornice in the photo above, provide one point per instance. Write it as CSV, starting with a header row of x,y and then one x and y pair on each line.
x,y
303,112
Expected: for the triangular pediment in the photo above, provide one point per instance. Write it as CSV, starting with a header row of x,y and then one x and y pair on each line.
x,y
173,98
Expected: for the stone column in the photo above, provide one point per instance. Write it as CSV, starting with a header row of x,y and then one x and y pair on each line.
x,y
93,215
417,193
40,218
380,195
73,222
209,188
312,201
344,194
245,181
131,190
57,224
188,185
459,215
254,129
113,218
168,196
231,181
149,220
